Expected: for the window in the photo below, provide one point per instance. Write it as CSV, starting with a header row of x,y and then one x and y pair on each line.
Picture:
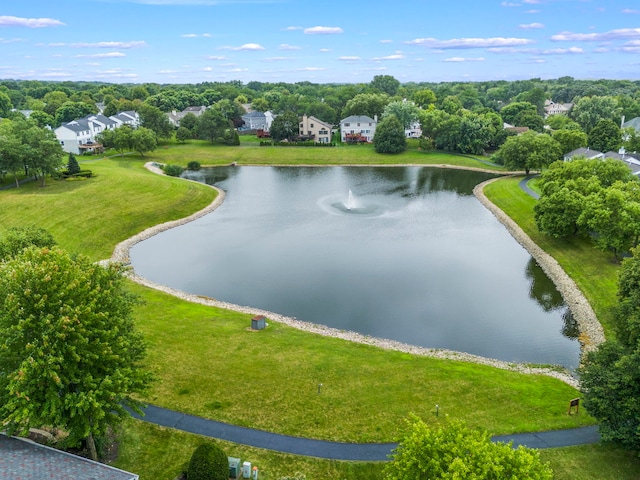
x,y
347,124
311,125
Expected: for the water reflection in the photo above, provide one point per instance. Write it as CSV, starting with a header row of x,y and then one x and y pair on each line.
x,y
427,266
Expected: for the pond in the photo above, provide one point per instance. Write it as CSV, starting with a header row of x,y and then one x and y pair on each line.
x,y
404,253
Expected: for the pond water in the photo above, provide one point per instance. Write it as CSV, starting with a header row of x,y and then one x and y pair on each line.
x,y
405,253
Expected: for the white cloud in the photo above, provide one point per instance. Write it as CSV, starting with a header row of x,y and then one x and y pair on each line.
x,y
532,11
348,58
631,47
536,51
207,69
562,51
246,46
291,29
277,59
532,2
509,4
386,41
529,26
324,50
323,30
396,56
470,42
311,69
462,59
11,40
103,55
189,35
286,46
630,10
9,21
56,74
121,45
165,72
216,57
621,33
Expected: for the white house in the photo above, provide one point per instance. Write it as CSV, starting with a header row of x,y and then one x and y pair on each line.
x,y
315,129
176,117
358,128
79,136
552,108
414,130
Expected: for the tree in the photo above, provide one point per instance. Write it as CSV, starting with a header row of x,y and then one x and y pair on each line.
x,y
587,111
389,136
284,127
260,104
370,104
71,110
12,151
43,152
5,105
72,165
16,239
474,134
605,136
154,119
424,98
183,134
68,346
570,140
385,84
208,462
406,112
512,112
42,119
143,140
454,451
189,121
211,125
529,151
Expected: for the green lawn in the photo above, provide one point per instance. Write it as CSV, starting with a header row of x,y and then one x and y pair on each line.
x,y
209,364
594,271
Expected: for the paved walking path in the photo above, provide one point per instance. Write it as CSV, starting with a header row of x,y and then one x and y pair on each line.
x,y
524,185
361,452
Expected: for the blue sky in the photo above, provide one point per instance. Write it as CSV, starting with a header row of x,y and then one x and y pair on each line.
x,y
191,41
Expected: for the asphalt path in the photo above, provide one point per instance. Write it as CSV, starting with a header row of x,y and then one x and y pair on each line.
x,y
360,452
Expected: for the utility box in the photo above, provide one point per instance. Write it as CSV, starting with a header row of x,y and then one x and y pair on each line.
x,y
258,322
246,470
234,467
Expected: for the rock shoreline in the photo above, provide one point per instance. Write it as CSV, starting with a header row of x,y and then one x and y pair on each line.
x,y
591,331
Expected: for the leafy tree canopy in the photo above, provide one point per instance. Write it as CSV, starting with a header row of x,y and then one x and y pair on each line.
x,y
454,451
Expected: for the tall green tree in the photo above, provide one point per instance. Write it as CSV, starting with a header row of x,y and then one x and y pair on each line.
x,y
529,151
5,105
513,112
285,127
143,140
389,136
570,140
211,125
72,165
16,239
406,112
385,84
454,451
69,350
587,111
605,136
370,104
156,120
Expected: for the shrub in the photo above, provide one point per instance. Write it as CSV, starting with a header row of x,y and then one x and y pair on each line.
x,y
72,165
208,462
193,165
173,170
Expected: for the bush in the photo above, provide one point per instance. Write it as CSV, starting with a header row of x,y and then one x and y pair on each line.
x,y
208,462
173,170
193,165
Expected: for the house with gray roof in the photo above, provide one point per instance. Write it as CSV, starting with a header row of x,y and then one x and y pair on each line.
x,y
583,152
633,123
26,460
632,161
257,121
361,126
79,136
175,117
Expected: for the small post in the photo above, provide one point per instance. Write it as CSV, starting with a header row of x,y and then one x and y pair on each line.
x,y
437,409
575,403
319,387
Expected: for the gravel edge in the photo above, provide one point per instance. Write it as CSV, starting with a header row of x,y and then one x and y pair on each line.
x,y
591,330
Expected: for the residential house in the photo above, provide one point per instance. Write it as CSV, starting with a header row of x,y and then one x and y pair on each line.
x,y
175,117
414,130
79,136
552,108
584,152
22,458
511,128
257,121
633,123
632,161
360,126
314,129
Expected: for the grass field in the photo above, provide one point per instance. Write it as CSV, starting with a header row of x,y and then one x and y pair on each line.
x,y
209,364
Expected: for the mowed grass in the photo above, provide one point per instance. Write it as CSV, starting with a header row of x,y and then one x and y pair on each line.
x,y
197,347
209,363
250,153
594,271
157,453
91,216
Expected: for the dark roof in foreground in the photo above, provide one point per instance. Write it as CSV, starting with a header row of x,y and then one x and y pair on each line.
x,y
27,460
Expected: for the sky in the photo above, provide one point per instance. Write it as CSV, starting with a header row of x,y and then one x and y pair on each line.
x,y
331,41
